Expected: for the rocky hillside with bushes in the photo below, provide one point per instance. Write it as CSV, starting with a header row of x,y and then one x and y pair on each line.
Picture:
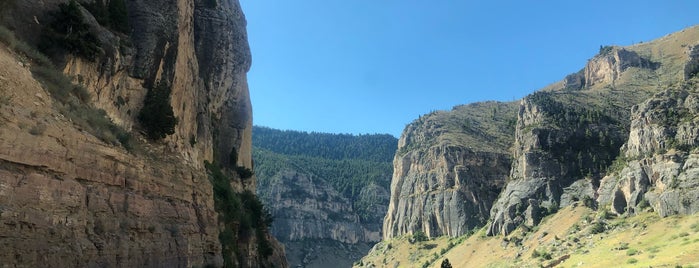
x,y
618,135
126,136
327,193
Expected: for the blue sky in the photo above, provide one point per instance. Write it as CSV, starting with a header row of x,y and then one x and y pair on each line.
x,y
373,66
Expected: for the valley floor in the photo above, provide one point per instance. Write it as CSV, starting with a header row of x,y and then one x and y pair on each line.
x,y
576,236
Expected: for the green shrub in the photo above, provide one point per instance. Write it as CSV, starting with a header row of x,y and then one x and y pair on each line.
x,y
605,50
68,32
37,129
541,254
8,38
631,252
419,236
589,202
546,255
631,261
243,172
597,227
113,15
239,213
622,246
695,227
156,116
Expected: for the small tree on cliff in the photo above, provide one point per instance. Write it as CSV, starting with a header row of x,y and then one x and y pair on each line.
x,y
446,264
156,116
69,32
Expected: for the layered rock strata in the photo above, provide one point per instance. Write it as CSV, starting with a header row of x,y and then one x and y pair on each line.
x,y
121,209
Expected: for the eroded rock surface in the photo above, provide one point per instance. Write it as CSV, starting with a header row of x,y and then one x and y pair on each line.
x,y
73,200
449,169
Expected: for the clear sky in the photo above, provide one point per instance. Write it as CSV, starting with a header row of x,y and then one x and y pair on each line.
x,y
373,66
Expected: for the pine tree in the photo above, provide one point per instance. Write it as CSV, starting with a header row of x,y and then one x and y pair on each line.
x,y
446,264
157,116
70,32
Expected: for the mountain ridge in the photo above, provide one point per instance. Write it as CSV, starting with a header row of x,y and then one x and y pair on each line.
x,y
327,192
570,143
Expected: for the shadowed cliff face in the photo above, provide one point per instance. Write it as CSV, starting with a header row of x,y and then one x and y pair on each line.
x,y
556,143
134,210
449,168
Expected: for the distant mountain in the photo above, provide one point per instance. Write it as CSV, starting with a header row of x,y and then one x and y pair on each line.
x,y
327,193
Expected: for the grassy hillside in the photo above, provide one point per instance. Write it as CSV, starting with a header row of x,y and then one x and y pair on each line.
x,y
484,126
576,236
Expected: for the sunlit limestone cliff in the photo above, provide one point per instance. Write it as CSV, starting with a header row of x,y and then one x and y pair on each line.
x,y
449,169
76,193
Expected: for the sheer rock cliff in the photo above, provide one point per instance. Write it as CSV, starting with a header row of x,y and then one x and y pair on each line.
x,y
71,199
449,169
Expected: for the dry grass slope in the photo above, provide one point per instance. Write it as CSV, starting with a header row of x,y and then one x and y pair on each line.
x,y
565,239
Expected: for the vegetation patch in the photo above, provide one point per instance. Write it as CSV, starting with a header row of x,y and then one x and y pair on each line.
x,y
113,14
69,32
156,116
73,101
348,172
240,214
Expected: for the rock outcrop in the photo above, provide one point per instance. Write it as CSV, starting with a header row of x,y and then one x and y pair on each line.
x,y
316,223
121,209
449,169
306,207
567,141
660,163
607,66
556,143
